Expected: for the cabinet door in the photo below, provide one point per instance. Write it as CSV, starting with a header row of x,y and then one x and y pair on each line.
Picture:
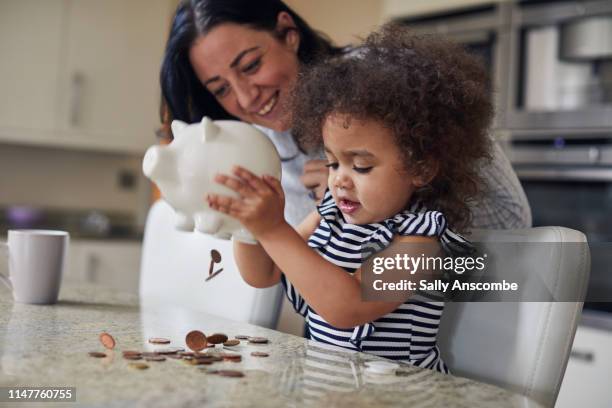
x,y
110,88
111,264
30,44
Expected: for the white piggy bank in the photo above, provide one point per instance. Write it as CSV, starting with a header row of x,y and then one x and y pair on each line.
x,y
184,170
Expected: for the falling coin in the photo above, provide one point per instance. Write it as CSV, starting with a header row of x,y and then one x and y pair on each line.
x,y
196,340
242,337
97,354
107,340
138,366
215,255
259,354
217,338
232,342
159,340
258,340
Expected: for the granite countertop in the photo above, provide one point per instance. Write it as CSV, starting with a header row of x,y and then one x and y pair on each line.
x,y
49,345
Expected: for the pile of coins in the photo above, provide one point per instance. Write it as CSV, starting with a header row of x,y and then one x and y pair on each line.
x,y
196,341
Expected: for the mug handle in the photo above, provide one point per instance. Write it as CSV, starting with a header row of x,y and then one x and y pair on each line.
x,y
4,279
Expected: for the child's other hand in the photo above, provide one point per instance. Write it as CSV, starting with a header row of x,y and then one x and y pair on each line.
x,y
261,204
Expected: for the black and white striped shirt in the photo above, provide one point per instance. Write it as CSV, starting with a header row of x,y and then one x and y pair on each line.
x,y
409,332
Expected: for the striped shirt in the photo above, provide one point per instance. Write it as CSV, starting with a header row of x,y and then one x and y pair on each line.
x,y
409,332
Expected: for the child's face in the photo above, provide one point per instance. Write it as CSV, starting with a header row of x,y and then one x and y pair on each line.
x,y
366,173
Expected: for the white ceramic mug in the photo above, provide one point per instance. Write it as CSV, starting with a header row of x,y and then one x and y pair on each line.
x,y
36,261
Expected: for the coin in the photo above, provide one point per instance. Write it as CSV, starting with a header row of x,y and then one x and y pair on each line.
x,y
132,356
185,353
232,342
230,373
159,340
131,352
258,340
155,358
169,350
107,340
138,366
174,356
97,354
196,340
259,354
217,338
242,337
149,354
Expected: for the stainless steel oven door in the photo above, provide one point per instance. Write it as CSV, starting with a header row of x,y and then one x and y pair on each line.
x,y
577,197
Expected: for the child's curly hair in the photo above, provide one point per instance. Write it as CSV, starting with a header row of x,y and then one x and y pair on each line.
x,y
431,93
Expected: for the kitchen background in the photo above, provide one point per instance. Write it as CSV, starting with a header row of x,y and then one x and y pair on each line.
x,y
79,105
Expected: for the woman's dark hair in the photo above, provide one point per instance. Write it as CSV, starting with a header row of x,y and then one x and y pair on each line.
x,y
430,93
182,92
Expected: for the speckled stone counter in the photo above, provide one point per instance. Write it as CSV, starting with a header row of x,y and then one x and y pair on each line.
x,y
49,345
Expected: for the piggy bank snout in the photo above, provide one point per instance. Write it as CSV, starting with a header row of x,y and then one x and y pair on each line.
x,y
158,163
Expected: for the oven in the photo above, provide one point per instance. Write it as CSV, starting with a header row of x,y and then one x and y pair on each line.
x,y
568,180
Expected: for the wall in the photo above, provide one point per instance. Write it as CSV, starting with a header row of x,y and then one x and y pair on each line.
x,y
70,179
342,20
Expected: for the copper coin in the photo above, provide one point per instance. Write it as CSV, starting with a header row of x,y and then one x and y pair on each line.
x,y
159,340
169,350
200,361
215,255
232,342
97,354
196,340
185,353
242,337
230,373
149,354
132,356
131,352
107,340
138,366
259,354
188,358
217,338
155,358
174,356
258,340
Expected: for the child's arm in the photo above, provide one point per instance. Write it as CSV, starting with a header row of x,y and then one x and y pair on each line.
x,y
256,266
328,289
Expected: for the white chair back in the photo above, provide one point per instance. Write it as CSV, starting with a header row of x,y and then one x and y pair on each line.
x,y
175,265
522,346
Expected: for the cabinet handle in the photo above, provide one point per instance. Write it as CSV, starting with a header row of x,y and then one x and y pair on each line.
x,y
76,94
585,356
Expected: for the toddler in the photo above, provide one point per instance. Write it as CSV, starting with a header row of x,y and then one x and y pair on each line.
x,y
404,123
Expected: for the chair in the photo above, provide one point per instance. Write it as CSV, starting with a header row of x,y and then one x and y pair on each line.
x,y
175,265
522,346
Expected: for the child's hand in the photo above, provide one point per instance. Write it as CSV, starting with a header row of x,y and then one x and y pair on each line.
x,y
261,205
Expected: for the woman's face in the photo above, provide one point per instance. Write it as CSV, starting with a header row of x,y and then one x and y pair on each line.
x,y
250,72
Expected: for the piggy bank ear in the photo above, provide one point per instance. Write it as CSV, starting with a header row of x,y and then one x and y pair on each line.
x,y
177,126
210,129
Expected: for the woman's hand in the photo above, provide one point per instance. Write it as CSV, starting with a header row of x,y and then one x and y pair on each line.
x,y
314,177
260,207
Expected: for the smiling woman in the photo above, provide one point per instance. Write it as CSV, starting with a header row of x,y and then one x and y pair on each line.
x,y
239,59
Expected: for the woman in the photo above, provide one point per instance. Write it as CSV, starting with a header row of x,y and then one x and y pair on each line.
x,y
239,59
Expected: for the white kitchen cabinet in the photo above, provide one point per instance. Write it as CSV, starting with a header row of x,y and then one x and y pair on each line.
x,y
31,34
111,264
587,377
87,76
